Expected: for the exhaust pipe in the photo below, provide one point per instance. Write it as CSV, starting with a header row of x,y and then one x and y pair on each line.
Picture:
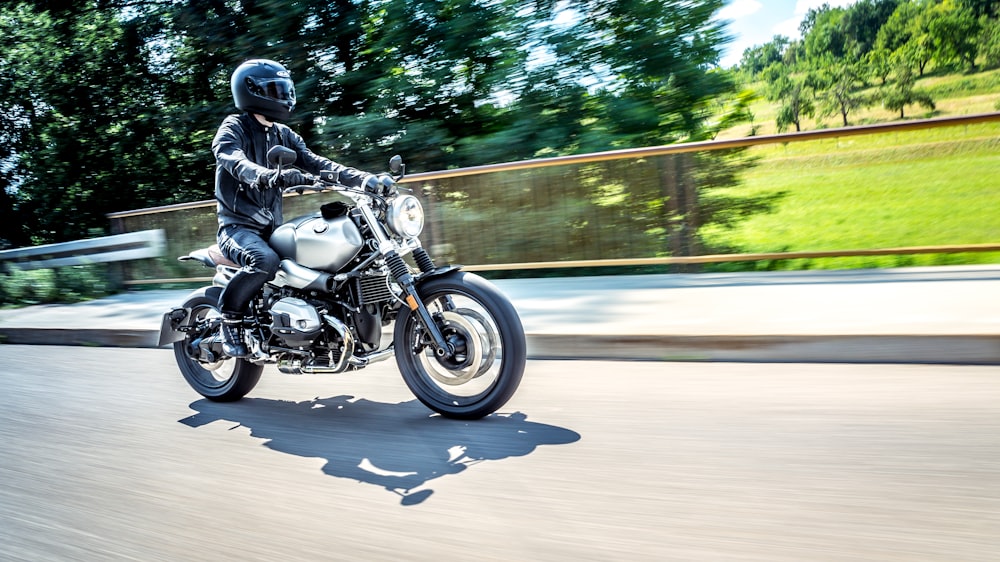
x,y
296,366
373,357
308,367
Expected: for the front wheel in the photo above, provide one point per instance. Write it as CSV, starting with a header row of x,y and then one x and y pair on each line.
x,y
220,379
483,328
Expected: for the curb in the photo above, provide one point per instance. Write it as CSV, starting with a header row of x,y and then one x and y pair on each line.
x,y
85,338
916,348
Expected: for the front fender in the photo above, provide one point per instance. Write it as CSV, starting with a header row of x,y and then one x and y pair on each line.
x,y
181,315
438,272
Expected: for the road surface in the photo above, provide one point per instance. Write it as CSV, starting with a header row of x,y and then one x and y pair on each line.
x,y
106,454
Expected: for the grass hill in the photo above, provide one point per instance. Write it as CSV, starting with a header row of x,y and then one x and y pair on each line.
x,y
931,187
953,94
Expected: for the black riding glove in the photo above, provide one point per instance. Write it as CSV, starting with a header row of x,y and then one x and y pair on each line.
x,y
293,177
287,178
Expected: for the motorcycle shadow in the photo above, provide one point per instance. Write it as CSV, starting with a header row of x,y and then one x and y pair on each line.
x,y
397,446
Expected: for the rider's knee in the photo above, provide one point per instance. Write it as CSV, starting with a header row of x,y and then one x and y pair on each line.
x,y
269,264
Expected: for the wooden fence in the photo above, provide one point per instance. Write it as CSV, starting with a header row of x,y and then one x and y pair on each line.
x,y
544,213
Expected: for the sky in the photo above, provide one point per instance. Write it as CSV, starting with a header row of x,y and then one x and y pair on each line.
x,y
755,22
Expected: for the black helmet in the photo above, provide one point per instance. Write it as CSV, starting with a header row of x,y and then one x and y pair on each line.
x,y
265,87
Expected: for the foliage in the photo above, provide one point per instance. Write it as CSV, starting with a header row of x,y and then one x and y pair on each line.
x,y
841,83
863,21
989,41
756,59
795,94
68,284
842,50
109,105
903,93
954,31
83,124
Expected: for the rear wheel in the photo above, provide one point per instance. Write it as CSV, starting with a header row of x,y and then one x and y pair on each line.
x,y
218,378
483,328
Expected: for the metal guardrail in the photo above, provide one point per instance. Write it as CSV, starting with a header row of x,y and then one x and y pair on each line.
x,y
119,247
422,179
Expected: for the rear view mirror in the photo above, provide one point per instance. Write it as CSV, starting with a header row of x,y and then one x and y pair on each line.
x,y
396,164
281,156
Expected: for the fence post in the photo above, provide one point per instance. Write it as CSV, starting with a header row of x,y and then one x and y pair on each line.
x,y
116,270
681,206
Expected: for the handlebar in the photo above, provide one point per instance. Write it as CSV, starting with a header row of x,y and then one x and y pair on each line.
x,y
325,183
320,184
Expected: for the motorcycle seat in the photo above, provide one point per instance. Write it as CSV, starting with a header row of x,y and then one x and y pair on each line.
x,y
210,256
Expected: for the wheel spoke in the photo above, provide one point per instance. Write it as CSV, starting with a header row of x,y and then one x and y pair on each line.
x,y
474,370
219,379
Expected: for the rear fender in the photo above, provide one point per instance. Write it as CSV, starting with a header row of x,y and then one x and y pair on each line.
x,y
181,315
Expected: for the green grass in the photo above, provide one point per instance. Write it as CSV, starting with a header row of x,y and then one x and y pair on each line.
x,y
931,187
921,188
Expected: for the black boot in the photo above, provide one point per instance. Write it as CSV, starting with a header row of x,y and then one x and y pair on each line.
x,y
232,335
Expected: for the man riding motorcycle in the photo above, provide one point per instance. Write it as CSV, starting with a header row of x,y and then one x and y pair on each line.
x,y
249,193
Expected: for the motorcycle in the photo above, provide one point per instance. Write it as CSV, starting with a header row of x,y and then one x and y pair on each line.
x,y
344,297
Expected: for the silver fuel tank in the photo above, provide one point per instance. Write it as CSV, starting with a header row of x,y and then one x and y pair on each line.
x,y
317,243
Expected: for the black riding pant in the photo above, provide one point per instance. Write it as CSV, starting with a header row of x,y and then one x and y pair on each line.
x,y
258,264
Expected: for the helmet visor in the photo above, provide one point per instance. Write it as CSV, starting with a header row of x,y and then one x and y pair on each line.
x,y
281,89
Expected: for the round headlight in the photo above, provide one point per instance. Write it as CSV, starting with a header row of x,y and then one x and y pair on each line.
x,y
406,216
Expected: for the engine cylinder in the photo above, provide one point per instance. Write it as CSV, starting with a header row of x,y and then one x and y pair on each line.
x,y
295,321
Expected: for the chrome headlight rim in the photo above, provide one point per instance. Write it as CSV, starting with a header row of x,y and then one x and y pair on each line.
x,y
406,216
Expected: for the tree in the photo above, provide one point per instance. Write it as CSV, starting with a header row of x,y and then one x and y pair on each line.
x,y
879,64
86,138
824,37
756,59
792,92
112,104
899,28
954,31
989,41
653,62
863,20
980,8
841,81
902,92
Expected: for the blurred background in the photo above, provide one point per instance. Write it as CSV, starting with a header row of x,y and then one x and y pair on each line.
x,y
110,106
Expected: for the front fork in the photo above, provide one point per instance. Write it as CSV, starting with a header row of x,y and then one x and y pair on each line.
x,y
405,279
401,272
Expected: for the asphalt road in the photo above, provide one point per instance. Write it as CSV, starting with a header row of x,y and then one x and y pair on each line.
x,y
106,454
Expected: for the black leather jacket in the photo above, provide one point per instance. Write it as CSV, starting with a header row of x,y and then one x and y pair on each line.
x,y
240,148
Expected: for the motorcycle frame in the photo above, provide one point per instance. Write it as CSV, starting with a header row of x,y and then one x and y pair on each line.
x,y
388,248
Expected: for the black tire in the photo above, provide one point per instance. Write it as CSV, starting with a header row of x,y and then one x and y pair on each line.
x,y
479,319
227,380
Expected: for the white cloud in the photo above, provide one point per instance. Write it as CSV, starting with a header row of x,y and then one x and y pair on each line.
x,y
803,6
790,27
739,9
